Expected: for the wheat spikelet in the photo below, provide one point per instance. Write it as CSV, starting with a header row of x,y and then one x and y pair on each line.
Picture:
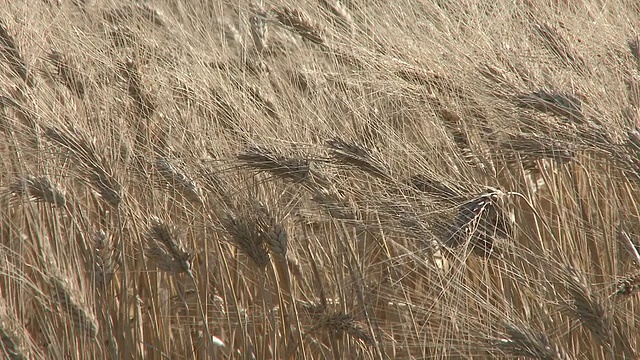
x,y
68,74
340,12
559,46
81,315
232,34
360,157
524,342
564,105
335,203
300,23
10,52
85,151
479,222
165,247
532,148
38,189
259,28
104,262
176,179
26,116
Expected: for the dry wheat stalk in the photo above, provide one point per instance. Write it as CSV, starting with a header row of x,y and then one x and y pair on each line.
x,y
86,152
524,342
69,300
360,157
178,180
10,52
259,28
38,189
166,248
68,74
104,262
480,221
559,46
300,23
634,47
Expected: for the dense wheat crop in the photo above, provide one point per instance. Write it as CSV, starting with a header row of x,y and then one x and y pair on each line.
x,y
200,179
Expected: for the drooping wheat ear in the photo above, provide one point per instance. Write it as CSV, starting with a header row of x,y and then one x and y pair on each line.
x,y
68,74
12,344
69,300
457,128
131,12
244,234
628,285
340,12
143,103
300,23
10,52
233,35
263,159
38,189
104,262
339,322
531,148
86,153
274,234
259,28
176,179
524,342
335,203
558,103
26,116
586,307
359,156
166,249
480,221
433,187
560,46
261,101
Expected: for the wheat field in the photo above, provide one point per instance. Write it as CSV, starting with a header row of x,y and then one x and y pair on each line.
x,y
200,179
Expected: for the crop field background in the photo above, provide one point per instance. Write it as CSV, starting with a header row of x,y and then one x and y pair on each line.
x,y
319,179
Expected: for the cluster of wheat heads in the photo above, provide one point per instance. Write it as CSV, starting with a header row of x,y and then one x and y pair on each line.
x,y
320,179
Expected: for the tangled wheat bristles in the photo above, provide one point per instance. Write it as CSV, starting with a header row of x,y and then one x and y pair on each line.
x,y
10,53
259,28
